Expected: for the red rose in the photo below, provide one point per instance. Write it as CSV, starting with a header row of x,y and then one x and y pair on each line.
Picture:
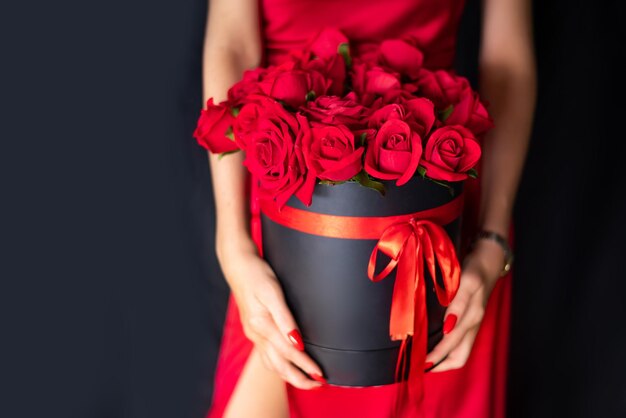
x,y
444,88
385,113
400,95
327,43
332,110
274,155
334,69
421,115
402,57
330,152
291,84
213,125
371,82
379,81
450,152
367,53
418,113
248,85
394,153
471,113
247,120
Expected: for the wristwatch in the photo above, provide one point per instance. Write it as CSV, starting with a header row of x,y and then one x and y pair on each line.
x,y
502,242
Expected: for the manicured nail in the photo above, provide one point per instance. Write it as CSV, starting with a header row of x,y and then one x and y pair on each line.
x,y
428,365
449,323
318,378
296,339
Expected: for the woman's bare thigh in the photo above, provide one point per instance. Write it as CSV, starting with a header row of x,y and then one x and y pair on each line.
x,y
259,393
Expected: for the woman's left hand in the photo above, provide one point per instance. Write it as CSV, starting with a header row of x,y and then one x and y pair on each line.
x,y
481,270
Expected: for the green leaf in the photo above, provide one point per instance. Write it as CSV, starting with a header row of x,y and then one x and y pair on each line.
x,y
421,170
235,111
366,181
310,96
344,50
445,113
443,184
473,173
222,154
330,182
229,134
363,138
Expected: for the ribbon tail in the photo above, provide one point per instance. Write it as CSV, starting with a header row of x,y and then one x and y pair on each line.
x,y
443,253
403,301
419,346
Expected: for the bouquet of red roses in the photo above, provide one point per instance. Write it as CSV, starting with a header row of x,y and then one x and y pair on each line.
x,y
377,119
325,116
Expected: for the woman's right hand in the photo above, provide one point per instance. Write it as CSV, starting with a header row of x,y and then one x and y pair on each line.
x,y
266,319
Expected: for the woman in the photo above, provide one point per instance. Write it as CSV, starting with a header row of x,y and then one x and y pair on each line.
x,y
251,376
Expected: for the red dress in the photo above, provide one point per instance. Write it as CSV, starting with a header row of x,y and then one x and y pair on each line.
x,y
478,389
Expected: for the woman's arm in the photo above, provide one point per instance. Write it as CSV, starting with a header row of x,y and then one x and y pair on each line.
x,y
508,83
232,45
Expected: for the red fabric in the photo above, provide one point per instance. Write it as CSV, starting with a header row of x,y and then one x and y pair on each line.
x,y
476,390
289,24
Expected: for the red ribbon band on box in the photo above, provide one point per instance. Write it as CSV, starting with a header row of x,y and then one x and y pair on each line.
x,y
409,240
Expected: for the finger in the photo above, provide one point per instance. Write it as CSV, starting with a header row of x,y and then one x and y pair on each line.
x,y
291,353
266,332
288,372
469,284
453,336
471,319
277,307
459,355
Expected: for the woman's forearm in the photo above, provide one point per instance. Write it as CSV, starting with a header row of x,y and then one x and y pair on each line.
x,y
232,45
505,147
508,83
227,173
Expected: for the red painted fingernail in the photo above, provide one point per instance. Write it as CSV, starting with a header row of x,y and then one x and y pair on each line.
x,y
296,339
428,365
318,378
449,323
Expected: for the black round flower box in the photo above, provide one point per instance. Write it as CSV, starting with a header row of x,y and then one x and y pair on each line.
x,y
343,315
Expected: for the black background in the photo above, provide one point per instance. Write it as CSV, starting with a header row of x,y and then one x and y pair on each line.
x,y
111,301
568,339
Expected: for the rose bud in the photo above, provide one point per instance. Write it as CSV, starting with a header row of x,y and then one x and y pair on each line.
x,y
471,113
327,43
443,87
248,85
401,57
291,84
214,123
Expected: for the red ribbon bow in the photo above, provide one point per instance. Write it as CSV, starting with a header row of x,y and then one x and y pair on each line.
x,y
409,245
